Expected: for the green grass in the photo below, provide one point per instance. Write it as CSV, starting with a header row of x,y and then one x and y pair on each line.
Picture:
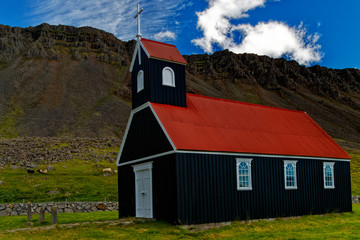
x,y
329,226
9,120
80,181
355,171
74,180
7,223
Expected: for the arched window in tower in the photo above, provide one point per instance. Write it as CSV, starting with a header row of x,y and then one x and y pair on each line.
x,y
140,81
168,77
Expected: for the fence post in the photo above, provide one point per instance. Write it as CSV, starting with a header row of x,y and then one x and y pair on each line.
x,y
42,215
29,214
53,215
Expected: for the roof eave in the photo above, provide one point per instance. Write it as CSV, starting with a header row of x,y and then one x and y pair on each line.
x,y
138,44
167,60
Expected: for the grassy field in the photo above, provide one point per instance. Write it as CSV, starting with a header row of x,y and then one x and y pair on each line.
x,y
355,171
73,180
14,222
329,226
80,180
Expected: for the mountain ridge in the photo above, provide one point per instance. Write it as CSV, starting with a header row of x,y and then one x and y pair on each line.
x,y
67,81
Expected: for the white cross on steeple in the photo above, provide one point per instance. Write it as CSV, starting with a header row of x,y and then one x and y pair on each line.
x,y
138,20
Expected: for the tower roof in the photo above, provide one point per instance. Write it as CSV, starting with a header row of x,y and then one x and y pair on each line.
x,y
158,50
163,51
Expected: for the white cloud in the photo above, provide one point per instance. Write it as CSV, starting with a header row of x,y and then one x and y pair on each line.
x,y
272,38
115,16
276,39
164,35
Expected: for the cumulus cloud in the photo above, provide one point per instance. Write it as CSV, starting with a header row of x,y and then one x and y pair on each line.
x,y
115,16
272,38
164,35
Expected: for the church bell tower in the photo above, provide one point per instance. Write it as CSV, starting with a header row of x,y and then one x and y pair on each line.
x,y
157,72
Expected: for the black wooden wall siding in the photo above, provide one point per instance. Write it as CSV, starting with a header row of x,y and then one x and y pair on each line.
x,y
145,137
164,189
197,188
153,90
164,94
126,191
207,189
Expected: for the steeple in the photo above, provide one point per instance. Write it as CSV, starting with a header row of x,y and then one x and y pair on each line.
x,y
138,17
157,72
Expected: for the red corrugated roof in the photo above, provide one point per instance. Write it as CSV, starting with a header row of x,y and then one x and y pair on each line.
x,y
211,124
163,51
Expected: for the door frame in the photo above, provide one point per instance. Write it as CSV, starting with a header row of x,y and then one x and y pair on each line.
x,y
139,168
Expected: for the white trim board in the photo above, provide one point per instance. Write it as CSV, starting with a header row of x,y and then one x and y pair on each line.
x,y
134,57
128,127
163,128
263,155
291,162
146,158
146,52
136,52
248,162
231,154
134,111
331,164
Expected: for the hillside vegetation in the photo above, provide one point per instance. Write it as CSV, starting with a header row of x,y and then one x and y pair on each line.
x,y
67,81
65,93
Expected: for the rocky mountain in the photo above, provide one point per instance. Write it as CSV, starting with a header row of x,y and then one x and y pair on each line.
x,y
67,81
62,80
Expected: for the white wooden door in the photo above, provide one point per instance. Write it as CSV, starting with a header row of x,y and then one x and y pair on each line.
x,y
143,190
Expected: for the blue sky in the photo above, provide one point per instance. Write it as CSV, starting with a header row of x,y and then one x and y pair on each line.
x,y
324,32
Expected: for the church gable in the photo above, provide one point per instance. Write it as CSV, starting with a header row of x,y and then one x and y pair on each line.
x,y
140,79
144,137
156,50
158,74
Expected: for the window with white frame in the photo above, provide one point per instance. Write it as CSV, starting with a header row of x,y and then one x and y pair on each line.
x,y
243,174
140,81
168,77
328,174
290,174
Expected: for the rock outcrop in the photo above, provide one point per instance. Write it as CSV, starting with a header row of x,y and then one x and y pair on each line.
x,y
60,81
27,153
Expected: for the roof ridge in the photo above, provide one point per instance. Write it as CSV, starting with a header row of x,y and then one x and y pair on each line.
x,y
244,103
158,42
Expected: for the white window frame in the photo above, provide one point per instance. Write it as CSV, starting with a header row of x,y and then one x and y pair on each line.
x,y
331,164
286,162
140,81
248,163
173,77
